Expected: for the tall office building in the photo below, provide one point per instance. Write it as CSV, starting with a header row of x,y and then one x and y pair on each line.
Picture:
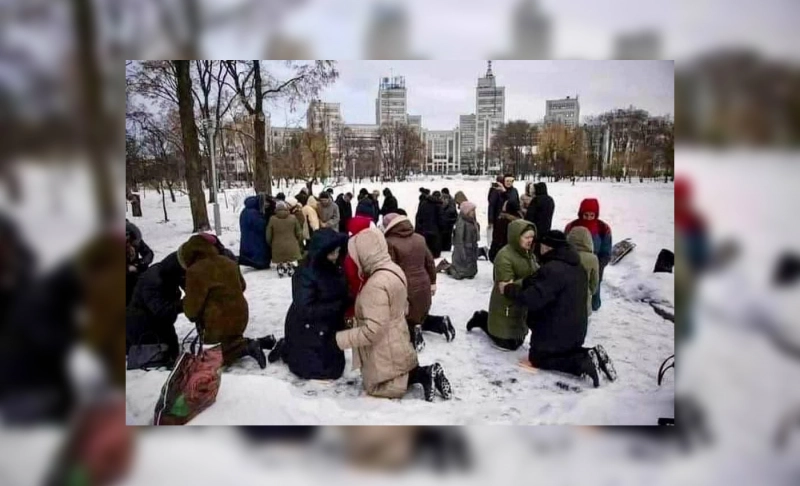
x,y
466,142
565,112
440,152
391,103
490,110
326,118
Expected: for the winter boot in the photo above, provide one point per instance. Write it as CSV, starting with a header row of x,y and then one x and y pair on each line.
x,y
253,350
606,366
442,266
290,268
589,367
267,342
479,320
423,375
483,252
417,340
281,270
277,351
449,330
441,382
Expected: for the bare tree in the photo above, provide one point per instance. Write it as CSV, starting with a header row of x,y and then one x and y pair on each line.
x,y
400,150
253,85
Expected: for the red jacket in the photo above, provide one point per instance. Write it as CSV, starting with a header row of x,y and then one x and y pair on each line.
x,y
354,280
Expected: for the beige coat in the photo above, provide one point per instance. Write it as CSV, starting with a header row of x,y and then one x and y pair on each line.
x,y
581,239
380,339
311,217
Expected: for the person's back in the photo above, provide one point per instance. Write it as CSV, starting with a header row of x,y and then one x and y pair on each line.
x,y
589,218
465,244
284,235
345,211
319,300
581,239
253,244
410,252
541,209
500,232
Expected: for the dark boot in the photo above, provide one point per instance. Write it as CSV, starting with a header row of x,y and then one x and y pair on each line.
x,y
480,319
277,351
416,339
267,342
589,367
441,382
449,330
439,325
253,350
423,375
606,366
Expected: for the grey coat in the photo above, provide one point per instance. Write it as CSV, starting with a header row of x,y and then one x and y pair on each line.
x,y
465,249
329,216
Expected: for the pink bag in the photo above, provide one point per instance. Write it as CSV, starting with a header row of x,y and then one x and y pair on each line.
x,y
191,387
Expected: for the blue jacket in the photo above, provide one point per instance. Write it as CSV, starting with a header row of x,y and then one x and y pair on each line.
x,y
253,247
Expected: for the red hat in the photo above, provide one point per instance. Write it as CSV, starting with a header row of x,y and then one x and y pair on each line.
x,y
590,205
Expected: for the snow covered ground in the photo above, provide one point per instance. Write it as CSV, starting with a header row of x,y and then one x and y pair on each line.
x,y
489,385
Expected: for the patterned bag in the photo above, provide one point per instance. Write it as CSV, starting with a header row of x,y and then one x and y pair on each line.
x,y
191,387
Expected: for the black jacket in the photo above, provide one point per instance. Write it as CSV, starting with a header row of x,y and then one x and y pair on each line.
x,y
389,203
540,211
429,216
377,206
449,213
150,317
319,301
556,300
496,201
345,212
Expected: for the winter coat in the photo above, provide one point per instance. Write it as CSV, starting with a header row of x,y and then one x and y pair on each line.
x,y
409,251
429,223
389,203
601,232
345,213
253,243
465,248
380,339
512,195
540,211
319,300
214,291
355,281
580,238
506,319
554,299
500,233
449,217
376,207
329,216
284,235
156,302
496,200
310,218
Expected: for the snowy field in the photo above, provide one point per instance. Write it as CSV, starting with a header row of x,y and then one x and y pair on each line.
x,y
489,386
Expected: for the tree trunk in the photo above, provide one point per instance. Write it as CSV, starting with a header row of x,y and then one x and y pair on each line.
x,y
171,192
163,200
263,171
84,25
191,148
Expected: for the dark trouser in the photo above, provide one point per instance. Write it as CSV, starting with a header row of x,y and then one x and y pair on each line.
x,y
571,362
433,324
417,375
233,348
447,239
482,322
130,283
434,243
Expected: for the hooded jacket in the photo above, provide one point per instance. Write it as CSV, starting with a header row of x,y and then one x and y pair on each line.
x,y
319,300
465,244
354,279
460,198
214,291
600,231
253,242
284,234
506,319
345,212
311,217
409,251
389,203
554,299
380,340
580,238
541,209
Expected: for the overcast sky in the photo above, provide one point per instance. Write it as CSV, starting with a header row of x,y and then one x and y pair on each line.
x,y
440,91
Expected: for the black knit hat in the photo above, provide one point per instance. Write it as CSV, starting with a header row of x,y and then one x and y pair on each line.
x,y
554,239
365,208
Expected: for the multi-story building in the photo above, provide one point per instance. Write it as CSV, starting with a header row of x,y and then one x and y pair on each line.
x,y
327,119
467,130
415,122
279,137
564,112
490,110
440,152
391,103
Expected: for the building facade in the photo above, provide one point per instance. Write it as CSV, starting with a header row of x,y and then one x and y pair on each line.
x,y
326,118
440,152
564,112
466,139
490,111
391,104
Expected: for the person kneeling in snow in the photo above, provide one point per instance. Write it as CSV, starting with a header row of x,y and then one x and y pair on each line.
x,y
380,341
588,217
319,301
465,245
409,251
215,300
555,298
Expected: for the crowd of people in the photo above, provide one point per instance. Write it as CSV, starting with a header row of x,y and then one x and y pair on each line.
x,y
366,282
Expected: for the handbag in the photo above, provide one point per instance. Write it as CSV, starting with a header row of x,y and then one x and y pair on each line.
x,y
191,387
150,355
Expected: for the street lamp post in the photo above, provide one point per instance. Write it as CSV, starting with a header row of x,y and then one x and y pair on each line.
x,y
217,223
